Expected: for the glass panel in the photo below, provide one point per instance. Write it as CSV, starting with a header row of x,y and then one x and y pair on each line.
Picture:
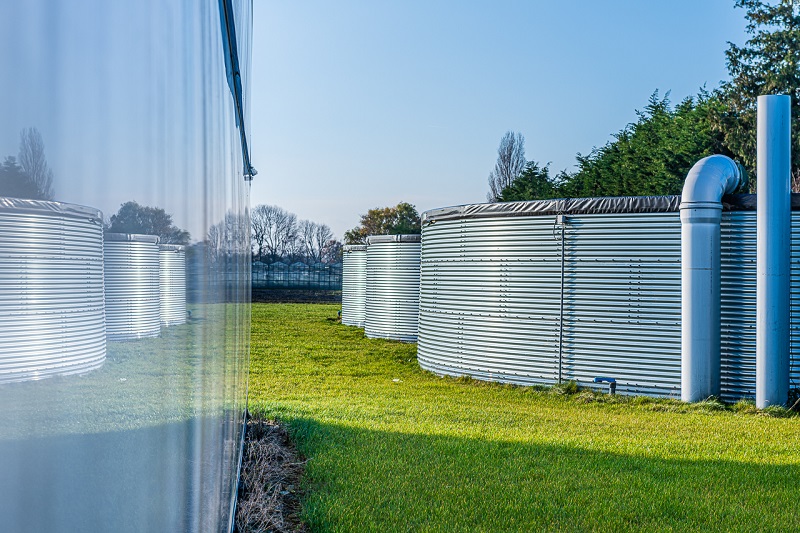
x,y
124,266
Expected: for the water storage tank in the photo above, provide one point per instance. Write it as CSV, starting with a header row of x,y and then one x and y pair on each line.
x,y
530,292
354,284
172,287
392,306
51,289
534,292
133,307
738,300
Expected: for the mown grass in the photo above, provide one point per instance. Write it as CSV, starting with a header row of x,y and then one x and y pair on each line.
x,y
393,448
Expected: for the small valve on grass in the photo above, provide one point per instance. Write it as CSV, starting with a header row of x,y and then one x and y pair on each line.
x,y
612,383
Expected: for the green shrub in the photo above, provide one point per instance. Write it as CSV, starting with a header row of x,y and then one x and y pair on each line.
x,y
566,388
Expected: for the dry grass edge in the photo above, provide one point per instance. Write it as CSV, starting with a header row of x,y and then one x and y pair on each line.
x,y
269,491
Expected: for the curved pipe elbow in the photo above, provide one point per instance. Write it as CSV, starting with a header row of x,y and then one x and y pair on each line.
x,y
711,178
701,212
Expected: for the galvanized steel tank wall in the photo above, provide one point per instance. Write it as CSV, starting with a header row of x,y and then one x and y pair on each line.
x,y
738,294
133,307
354,285
172,284
490,300
52,318
392,296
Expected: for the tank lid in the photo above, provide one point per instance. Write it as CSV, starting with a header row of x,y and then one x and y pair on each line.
x,y
748,202
586,206
354,248
373,239
130,237
45,207
557,206
171,247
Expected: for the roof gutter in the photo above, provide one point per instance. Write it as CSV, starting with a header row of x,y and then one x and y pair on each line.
x,y
234,75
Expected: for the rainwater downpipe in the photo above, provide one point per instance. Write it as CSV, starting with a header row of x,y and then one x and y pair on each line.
x,y
773,259
561,220
701,212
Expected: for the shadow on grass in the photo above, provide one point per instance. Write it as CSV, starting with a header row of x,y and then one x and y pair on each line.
x,y
365,480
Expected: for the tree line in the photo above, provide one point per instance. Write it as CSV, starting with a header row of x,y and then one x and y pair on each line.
x,y
652,155
277,235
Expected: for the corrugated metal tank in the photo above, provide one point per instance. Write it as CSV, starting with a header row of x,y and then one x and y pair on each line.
x,y
52,319
133,307
354,284
172,284
392,296
489,299
491,287
738,292
623,300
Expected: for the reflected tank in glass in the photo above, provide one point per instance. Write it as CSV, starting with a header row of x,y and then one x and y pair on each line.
x,y
123,358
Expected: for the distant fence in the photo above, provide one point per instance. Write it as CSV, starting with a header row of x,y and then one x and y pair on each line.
x,y
279,275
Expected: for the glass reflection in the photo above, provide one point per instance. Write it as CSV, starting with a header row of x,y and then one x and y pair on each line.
x,y
119,127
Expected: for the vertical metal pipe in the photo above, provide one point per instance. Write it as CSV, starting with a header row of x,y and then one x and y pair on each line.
x,y
774,250
700,294
560,219
701,211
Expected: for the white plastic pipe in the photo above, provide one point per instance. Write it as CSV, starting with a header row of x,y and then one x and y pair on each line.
x,y
701,212
773,260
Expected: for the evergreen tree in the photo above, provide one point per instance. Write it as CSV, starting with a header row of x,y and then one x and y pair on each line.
x,y
768,63
15,182
534,183
651,156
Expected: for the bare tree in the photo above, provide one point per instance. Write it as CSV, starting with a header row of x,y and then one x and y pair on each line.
x,y
510,164
284,232
305,239
34,163
294,250
277,234
215,243
312,238
259,222
332,251
322,236
274,231
228,238
237,229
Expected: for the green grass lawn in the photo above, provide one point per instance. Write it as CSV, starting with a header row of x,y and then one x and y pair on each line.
x,y
394,448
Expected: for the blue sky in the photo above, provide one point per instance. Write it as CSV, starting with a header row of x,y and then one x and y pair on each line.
x,y
361,104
